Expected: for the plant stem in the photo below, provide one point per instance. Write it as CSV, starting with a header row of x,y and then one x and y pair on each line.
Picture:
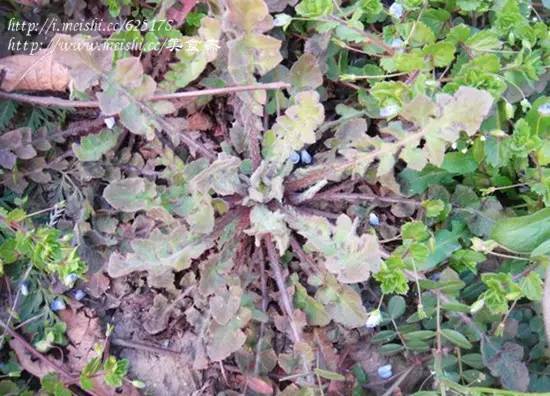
x,y
358,197
332,169
60,102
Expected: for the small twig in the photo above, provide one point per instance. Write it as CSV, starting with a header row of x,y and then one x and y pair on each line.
x,y
60,102
309,265
358,197
143,346
285,302
317,212
396,384
15,302
259,258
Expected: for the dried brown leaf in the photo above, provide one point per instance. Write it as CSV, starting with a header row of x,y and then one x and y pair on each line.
x,y
39,72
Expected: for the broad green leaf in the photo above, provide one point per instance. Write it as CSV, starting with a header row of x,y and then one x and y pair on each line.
x,y
396,307
505,362
343,304
314,310
442,121
441,53
446,242
92,147
350,257
484,40
263,221
531,286
523,233
456,338
296,127
419,335
195,54
314,8
221,176
159,255
330,375
305,74
131,194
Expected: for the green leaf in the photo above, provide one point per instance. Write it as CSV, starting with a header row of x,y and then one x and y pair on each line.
x,y
194,56
305,74
350,257
505,362
330,375
446,242
442,53
221,176
419,335
296,127
93,147
433,207
342,303
396,307
415,230
159,255
456,338
459,163
390,349
315,312
314,8
131,194
484,40
263,221
531,286
524,233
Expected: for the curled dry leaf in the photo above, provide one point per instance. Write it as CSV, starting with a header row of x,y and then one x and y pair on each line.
x,y
84,332
39,72
36,367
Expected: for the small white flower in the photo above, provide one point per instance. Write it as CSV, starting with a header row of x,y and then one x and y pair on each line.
x,y
389,110
374,319
464,150
397,43
482,138
525,105
385,372
109,122
373,219
453,146
396,10
544,109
